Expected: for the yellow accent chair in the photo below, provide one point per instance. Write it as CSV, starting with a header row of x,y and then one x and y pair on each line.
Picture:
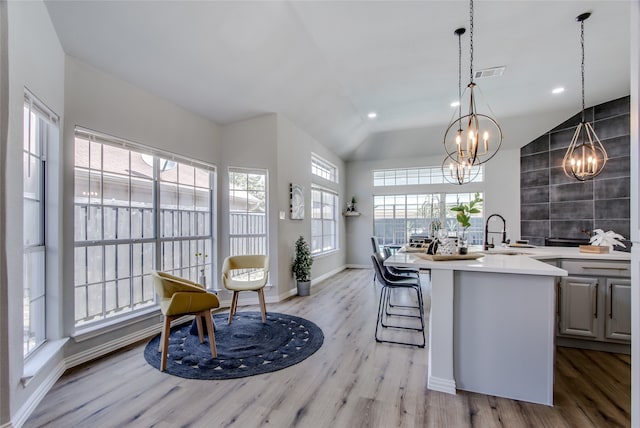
x,y
253,277
178,297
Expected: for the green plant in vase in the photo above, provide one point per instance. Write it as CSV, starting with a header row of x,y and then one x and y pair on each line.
x,y
463,215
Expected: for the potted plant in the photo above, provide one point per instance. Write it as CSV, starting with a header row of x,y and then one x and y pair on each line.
x,y
301,267
463,215
354,201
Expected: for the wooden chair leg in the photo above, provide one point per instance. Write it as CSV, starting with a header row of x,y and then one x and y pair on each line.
x,y
165,343
234,304
161,339
263,306
212,337
199,325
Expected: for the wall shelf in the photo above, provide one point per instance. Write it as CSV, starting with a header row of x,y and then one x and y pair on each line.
x,y
351,214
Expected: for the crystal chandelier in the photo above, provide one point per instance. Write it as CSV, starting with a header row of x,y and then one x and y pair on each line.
x,y
586,156
481,138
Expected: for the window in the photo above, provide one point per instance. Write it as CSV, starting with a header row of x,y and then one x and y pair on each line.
x,y
134,211
413,176
397,217
247,211
324,169
38,124
324,221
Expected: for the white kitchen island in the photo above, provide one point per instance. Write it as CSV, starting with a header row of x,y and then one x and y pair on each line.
x,y
491,325
492,320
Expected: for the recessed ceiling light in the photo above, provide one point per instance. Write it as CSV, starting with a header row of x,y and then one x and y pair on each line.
x,y
372,115
558,90
455,104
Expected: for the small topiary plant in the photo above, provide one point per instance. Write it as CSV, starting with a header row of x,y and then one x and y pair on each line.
x,y
302,262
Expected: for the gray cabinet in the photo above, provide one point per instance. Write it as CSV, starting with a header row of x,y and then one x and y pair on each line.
x,y
579,306
594,301
618,309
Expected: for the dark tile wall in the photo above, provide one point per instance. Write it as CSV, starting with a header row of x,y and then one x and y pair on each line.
x,y
554,205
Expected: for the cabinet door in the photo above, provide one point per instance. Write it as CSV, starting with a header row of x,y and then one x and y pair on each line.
x,y
618,308
579,306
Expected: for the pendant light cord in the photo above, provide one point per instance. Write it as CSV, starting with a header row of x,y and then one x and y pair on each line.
x,y
582,64
460,77
471,41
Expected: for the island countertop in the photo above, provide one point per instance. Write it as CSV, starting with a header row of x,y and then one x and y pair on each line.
x,y
526,261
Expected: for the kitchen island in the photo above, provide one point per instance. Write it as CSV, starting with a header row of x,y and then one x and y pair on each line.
x,y
492,320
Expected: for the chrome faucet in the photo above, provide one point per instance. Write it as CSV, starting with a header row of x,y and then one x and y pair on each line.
x,y
488,245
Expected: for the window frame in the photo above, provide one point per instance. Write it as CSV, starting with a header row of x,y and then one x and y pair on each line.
x,y
446,218
264,236
47,126
139,242
412,176
324,169
335,246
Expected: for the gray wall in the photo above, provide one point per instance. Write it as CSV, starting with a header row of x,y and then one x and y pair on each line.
x,y
294,166
554,205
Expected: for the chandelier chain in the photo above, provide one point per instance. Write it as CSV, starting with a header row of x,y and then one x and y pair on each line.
x,y
460,75
471,41
582,64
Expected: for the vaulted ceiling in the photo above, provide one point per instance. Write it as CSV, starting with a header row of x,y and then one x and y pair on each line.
x,y
326,64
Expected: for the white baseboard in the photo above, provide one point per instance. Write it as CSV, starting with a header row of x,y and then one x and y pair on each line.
x,y
359,266
114,345
6,425
34,399
442,385
329,274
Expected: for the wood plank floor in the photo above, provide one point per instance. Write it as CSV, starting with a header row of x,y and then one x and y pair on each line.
x,y
351,381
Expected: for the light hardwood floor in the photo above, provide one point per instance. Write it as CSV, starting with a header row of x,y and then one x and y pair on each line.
x,y
351,381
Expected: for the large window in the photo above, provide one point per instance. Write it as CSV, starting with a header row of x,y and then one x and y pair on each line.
x,y
247,211
135,211
324,169
38,124
397,217
413,176
324,221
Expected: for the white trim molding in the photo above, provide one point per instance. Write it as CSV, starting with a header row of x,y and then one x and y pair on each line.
x,y
113,345
34,399
442,385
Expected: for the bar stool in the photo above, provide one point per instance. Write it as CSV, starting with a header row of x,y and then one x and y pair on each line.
x,y
389,283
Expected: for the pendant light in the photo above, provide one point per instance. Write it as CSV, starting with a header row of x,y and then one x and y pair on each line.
x,y
457,170
481,137
586,156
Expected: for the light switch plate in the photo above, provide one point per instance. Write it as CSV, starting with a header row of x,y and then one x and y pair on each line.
x,y
283,215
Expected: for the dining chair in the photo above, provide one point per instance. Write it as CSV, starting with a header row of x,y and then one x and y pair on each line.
x,y
252,275
178,297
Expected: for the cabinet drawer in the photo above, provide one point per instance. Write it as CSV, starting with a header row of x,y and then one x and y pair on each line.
x,y
597,268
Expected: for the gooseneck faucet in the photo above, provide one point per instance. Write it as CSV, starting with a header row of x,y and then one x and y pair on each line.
x,y
488,245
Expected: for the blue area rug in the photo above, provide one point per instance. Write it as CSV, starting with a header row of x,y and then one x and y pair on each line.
x,y
245,348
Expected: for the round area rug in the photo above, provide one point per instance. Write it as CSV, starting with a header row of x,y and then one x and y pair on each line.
x,y
245,348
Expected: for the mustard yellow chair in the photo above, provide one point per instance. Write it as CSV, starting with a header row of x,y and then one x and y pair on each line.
x,y
178,297
253,275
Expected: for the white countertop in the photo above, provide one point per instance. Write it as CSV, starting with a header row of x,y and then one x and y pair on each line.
x,y
524,261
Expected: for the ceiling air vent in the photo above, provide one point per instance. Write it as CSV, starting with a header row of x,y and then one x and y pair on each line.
x,y
489,72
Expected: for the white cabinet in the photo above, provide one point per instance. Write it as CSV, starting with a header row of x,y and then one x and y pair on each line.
x,y
594,301
579,306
